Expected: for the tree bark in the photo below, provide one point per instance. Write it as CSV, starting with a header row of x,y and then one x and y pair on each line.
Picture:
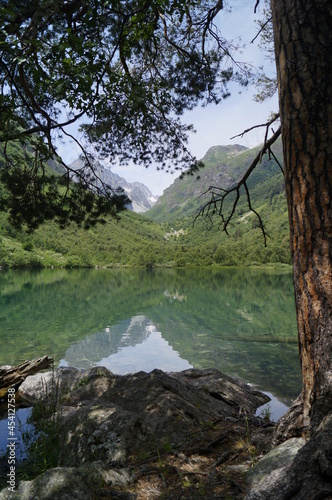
x,y
303,49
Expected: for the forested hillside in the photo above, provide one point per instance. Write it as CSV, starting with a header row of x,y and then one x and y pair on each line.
x,y
180,204
223,167
168,234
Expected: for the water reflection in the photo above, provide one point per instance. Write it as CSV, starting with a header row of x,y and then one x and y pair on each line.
x,y
154,352
128,347
240,321
275,408
23,426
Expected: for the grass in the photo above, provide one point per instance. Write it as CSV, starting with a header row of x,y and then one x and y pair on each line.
x,y
42,444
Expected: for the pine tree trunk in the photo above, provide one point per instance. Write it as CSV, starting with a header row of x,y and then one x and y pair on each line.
x,y
303,48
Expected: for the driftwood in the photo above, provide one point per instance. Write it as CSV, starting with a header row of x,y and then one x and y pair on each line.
x,y
13,376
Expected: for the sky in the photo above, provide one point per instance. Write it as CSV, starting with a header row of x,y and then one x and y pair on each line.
x,y
214,124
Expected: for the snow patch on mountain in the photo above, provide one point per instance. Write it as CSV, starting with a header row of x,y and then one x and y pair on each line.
x,y
141,197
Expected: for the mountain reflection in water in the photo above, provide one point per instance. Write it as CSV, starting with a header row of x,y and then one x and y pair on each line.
x,y
239,321
131,346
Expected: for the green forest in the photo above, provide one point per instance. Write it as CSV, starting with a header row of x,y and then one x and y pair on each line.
x,y
172,233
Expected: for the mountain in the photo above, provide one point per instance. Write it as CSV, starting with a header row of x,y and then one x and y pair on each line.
x,y
141,197
224,166
178,210
170,234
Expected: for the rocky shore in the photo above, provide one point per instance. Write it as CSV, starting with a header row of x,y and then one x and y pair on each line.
x,y
188,435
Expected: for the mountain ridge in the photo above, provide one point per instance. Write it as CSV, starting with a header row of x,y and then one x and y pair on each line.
x,y
171,234
223,168
140,195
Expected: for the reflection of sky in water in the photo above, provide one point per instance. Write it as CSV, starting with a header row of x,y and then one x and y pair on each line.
x,y
21,425
130,346
154,352
134,345
274,407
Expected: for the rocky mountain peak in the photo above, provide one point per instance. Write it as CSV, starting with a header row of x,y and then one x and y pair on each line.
x,y
141,197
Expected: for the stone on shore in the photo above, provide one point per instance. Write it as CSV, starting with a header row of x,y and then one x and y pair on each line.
x,y
109,417
296,469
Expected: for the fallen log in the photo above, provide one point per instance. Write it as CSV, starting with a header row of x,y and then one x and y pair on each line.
x,y
13,376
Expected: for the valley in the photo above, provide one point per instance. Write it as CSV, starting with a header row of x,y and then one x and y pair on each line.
x,y
172,233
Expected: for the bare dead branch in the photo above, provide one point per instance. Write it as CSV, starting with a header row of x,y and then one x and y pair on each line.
x,y
261,225
218,195
267,125
262,28
257,160
277,161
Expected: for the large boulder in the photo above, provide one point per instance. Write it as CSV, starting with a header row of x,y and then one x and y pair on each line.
x,y
69,483
295,471
109,417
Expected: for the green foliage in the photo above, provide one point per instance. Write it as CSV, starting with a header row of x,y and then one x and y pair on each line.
x,y
224,166
32,192
135,241
265,413
129,69
171,240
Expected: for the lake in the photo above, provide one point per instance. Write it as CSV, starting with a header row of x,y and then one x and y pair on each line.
x,y
240,321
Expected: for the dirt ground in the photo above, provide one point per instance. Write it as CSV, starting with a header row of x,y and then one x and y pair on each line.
x,y
211,465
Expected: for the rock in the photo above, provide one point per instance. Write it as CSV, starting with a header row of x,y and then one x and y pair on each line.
x,y
307,476
108,417
58,483
261,438
39,387
69,483
232,391
118,415
278,458
107,421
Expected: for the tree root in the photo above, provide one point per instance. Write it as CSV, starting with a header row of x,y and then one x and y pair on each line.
x,y
291,424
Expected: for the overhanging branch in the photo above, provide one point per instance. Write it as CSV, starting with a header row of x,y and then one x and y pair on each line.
x,y
215,206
